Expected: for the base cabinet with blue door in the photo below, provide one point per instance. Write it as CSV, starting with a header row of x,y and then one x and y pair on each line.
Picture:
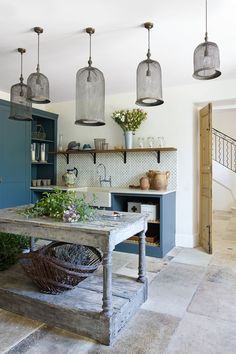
x,y
160,208
16,168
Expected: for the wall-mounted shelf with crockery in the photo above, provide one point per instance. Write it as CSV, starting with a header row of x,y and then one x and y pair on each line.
x,y
124,152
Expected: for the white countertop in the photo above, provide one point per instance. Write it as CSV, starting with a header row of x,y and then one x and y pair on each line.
x,y
120,190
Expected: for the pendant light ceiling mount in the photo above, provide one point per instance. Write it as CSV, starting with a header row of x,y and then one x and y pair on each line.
x,y
90,92
38,82
206,58
149,81
38,30
20,106
148,25
90,30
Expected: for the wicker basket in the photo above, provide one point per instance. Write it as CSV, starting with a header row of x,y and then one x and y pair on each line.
x,y
39,133
60,266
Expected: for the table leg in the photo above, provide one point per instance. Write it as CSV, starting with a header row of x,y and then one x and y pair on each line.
x,y
32,244
107,284
142,263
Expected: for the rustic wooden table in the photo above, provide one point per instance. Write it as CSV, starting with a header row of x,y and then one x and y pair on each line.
x,y
104,232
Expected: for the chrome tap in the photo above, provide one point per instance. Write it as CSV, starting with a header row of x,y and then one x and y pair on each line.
x,y
104,178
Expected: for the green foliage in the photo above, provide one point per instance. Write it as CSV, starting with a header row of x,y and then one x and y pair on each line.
x,y
10,246
129,120
62,206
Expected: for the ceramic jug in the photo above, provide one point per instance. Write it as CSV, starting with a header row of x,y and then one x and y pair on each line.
x,y
160,180
69,177
144,183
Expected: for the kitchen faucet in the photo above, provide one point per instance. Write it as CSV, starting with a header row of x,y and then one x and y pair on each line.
x,y
104,179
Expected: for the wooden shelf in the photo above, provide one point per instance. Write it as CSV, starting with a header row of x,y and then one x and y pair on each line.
x,y
153,221
94,152
42,163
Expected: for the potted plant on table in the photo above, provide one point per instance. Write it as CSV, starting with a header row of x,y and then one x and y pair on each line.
x,y
129,121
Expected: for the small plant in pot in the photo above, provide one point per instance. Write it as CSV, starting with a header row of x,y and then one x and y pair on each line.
x,y
10,247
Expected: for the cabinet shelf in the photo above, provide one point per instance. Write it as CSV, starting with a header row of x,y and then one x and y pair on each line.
x,y
42,163
124,152
42,140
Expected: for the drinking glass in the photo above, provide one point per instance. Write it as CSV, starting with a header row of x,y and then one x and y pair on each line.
x,y
141,142
150,142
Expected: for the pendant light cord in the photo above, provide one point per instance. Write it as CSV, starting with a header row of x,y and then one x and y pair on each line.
x,y
38,56
206,34
90,51
21,66
149,52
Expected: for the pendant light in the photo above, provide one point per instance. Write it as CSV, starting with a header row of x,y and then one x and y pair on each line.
x,y
90,93
37,82
20,106
206,59
148,81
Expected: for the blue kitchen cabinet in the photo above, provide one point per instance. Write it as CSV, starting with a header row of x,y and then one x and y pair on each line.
x,y
14,159
16,168
163,229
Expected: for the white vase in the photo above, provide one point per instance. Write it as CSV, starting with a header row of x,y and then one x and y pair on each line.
x,y
128,139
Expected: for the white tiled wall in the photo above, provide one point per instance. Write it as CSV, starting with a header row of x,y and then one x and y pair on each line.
x,y
122,175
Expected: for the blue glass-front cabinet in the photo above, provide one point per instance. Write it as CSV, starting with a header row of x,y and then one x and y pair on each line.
x,y
16,169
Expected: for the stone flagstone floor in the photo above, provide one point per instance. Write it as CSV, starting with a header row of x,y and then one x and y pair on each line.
x,y
191,307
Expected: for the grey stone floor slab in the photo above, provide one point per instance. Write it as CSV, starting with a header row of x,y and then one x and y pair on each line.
x,y
147,332
14,328
172,289
195,256
201,335
215,297
57,341
226,261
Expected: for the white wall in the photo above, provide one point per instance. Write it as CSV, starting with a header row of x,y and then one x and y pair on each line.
x,y
224,180
177,120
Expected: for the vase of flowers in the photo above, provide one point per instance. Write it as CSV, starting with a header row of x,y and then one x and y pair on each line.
x,y
129,121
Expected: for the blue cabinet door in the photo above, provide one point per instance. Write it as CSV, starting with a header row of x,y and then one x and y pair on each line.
x,y
14,160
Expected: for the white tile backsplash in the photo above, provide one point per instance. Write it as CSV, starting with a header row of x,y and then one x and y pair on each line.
x,y
122,175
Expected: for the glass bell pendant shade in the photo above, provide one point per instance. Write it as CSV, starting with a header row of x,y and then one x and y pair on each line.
x,y
90,97
20,106
206,58
90,94
37,82
206,61
38,88
149,79
149,83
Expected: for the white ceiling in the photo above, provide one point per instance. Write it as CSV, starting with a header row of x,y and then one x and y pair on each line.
x,y
119,43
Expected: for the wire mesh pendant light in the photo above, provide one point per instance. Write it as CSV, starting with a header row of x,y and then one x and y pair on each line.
x,y
90,93
148,80
206,59
20,106
37,82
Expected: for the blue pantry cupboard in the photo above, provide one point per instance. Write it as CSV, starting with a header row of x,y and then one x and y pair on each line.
x,y
16,169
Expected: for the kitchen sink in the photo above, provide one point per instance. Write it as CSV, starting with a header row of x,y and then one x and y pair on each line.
x,y
96,196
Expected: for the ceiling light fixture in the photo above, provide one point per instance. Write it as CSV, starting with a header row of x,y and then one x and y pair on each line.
x,y
90,93
148,80
206,59
37,82
20,106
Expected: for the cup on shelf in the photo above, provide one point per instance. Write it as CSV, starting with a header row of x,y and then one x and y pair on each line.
x,y
34,182
38,182
44,182
98,143
48,182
